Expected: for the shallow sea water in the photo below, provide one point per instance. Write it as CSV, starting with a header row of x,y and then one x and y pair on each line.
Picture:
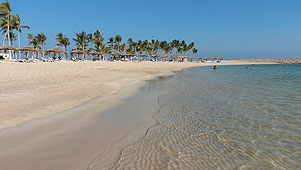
x,y
230,118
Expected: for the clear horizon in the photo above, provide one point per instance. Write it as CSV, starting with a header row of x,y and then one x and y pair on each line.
x,y
230,29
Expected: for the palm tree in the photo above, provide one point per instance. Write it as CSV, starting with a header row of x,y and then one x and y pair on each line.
x,y
168,49
144,45
99,45
195,51
41,38
123,47
33,41
17,26
29,37
174,44
58,38
62,41
118,40
82,41
163,45
130,42
149,49
111,42
180,50
5,15
65,42
90,40
13,37
190,46
98,37
138,48
156,46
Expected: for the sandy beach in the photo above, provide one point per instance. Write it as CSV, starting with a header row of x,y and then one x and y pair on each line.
x,y
51,113
30,91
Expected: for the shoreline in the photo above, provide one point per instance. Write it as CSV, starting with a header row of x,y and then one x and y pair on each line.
x,y
30,91
47,140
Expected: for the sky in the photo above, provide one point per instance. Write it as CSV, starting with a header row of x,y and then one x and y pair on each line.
x,y
220,28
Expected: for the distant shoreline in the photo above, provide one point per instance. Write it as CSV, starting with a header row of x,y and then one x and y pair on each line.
x,y
274,60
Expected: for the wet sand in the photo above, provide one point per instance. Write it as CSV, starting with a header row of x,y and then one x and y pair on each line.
x,y
75,138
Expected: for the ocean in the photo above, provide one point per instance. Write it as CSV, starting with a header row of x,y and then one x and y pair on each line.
x,y
230,118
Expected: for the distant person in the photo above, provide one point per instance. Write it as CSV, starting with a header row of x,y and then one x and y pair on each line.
x,y
214,67
246,67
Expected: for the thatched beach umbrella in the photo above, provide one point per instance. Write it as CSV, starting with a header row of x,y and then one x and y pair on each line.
x,y
115,55
39,50
155,57
165,57
56,51
129,55
78,52
7,48
142,56
27,50
95,53
174,57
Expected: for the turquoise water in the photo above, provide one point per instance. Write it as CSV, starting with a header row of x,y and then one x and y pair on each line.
x,y
230,118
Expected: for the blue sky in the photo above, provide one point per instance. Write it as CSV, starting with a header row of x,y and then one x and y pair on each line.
x,y
220,28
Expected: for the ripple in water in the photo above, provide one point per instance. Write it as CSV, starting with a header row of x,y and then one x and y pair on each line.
x,y
231,118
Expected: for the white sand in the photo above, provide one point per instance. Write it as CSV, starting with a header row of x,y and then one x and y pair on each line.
x,y
32,90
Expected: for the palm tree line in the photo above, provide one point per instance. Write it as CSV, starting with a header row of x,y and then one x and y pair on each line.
x,y
95,42
88,43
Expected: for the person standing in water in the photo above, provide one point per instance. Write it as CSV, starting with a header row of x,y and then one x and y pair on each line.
x,y
214,67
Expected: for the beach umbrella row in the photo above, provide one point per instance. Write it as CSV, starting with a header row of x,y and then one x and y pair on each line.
x,y
56,50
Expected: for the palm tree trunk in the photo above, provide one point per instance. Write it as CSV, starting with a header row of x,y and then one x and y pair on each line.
x,y
4,38
66,52
84,55
43,50
8,35
19,42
